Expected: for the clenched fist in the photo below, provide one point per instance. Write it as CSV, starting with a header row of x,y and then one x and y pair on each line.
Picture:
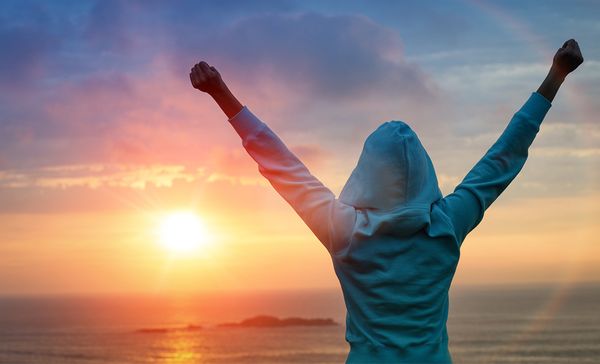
x,y
567,58
206,78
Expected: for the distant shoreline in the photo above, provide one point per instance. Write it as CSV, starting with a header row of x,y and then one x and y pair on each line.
x,y
255,321
164,330
466,287
272,321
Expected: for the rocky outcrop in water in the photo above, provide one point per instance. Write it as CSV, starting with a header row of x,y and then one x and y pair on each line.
x,y
271,321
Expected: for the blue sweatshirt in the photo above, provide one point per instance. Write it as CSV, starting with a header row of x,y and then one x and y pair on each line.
x,y
394,240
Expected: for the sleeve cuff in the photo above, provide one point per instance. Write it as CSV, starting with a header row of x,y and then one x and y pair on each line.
x,y
537,106
245,122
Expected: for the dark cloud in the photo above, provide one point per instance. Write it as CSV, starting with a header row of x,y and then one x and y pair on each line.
x,y
334,57
139,27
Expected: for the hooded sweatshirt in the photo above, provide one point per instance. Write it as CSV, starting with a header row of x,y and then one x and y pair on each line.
x,y
393,238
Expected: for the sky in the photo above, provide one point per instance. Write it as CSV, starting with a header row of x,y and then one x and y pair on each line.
x,y
102,135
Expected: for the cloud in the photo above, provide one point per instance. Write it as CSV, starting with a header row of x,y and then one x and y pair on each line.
x,y
99,102
311,76
493,75
111,116
99,175
111,187
567,152
335,57
233,165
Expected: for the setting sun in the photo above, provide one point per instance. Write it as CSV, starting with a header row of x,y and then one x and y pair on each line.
x,y
182,232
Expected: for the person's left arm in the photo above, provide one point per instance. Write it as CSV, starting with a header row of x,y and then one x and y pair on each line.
x,y
329,219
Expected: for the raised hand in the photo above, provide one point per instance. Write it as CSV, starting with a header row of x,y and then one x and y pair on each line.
x,y
567,58
206,78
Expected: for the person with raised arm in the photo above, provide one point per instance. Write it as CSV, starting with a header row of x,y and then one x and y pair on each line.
x,y
393,238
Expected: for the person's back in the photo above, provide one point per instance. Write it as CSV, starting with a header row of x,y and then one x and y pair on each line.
x,y
393,238
396,264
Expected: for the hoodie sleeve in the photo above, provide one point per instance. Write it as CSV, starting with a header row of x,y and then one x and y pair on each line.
x,y
329,219
496,170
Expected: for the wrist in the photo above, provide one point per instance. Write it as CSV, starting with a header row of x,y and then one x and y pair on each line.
x,y
226,101
219,92
556,75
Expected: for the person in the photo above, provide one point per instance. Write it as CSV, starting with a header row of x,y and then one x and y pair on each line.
x,y
394,240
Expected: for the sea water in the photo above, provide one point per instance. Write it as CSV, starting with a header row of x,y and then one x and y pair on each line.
x,y
497,324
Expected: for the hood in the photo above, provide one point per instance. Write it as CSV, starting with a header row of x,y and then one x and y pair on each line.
x,y
394,178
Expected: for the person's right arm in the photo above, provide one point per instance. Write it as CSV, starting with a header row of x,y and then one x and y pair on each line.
x,y
504,160
566,60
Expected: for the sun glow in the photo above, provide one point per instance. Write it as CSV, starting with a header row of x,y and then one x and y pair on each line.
x,y
182,232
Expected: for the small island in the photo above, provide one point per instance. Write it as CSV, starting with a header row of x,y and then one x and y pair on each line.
x,y
271,321
165,330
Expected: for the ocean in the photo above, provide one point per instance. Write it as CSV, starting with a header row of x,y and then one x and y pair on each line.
x,y
495,324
